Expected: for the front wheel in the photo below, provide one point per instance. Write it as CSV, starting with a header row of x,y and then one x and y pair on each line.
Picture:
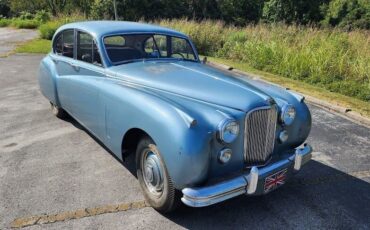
x,y
154,178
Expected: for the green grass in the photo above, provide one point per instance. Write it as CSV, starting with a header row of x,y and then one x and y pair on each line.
x,y
356,105
41,46
330,59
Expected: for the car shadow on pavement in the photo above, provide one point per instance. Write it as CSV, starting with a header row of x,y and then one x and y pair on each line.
x,y
318,197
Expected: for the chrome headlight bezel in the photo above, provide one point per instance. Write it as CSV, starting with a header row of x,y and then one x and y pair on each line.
x,y
228,131
288,114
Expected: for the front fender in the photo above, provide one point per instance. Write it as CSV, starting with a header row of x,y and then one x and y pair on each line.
x,y
185,148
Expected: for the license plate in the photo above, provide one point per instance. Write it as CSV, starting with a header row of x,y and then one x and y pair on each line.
x,y
275,180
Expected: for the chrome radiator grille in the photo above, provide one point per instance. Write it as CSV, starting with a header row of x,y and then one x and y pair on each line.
x,y
259,135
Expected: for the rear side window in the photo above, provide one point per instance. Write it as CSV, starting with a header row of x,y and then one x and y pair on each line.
x,y
64,44
87,50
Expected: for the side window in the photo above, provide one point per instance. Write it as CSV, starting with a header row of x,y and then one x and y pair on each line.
x,y
161,42
151,44
181,49
58,48
68,43
87,50
64,44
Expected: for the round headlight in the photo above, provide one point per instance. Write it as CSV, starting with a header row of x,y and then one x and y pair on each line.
x,y
287,114
228,130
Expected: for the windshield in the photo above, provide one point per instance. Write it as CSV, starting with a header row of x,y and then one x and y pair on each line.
x,y
128,47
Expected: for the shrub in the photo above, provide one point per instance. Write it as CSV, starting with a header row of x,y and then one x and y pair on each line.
x,y
42,16
25,24
48,29
4,22
24,15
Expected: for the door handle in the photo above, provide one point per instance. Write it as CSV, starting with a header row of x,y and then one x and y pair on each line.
x,y
76,67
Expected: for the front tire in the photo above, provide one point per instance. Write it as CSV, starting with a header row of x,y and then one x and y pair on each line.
x,y
153,177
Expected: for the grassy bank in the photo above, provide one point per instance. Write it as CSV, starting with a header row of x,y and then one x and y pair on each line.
x,y
356,105
335,60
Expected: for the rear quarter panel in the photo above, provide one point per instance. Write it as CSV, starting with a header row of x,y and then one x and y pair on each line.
x,y
47,79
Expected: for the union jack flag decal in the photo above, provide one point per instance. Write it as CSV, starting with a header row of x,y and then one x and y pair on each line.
x,y
275,180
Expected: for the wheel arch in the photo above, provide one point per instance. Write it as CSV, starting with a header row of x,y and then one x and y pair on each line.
x,y
130,141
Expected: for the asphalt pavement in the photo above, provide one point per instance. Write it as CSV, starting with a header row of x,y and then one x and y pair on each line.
x,y
54,174
10,37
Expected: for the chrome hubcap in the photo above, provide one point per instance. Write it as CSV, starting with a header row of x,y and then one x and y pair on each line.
x,y
152,172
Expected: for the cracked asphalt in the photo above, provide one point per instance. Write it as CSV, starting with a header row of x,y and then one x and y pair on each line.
x,y
54,175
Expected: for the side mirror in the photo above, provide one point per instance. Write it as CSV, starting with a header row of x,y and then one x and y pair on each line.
x,y
204,61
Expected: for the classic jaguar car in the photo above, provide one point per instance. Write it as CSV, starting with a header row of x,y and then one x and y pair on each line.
x,y
199,134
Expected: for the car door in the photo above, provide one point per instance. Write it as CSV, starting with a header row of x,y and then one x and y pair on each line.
x,y
80,87
62,56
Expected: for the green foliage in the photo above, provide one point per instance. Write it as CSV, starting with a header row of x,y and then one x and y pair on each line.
x,y
4,8
209,36
348,14
24,15
42,16
102,9
48,29
332,59
293,11
25,24
5,22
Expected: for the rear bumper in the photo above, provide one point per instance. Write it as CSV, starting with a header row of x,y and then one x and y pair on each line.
x,y
251,183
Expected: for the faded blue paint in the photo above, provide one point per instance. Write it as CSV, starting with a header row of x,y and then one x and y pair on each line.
x,y
162,98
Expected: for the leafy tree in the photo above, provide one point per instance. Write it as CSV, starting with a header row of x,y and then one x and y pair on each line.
x,y
240,12
293,11
18,6
102,9
348,14
4,8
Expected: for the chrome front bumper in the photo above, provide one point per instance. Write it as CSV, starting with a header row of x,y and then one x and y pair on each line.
x,y
250,183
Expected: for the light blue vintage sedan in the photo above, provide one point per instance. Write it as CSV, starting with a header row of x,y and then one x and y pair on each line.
x,y
198,134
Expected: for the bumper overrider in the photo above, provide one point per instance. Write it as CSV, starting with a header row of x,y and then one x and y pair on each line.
x,y
252,183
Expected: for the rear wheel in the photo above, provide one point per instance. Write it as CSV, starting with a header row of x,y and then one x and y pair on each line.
x,y
57,111
153,177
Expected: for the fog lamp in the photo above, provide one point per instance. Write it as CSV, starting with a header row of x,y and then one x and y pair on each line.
x,y
283,136
225,155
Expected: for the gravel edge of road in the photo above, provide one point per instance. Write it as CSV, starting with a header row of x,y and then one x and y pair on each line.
x,y
344,112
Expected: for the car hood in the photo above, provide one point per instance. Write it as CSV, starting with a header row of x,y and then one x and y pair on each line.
x,y
193,80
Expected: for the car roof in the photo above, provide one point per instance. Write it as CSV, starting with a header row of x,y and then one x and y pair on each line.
x,y
102,28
